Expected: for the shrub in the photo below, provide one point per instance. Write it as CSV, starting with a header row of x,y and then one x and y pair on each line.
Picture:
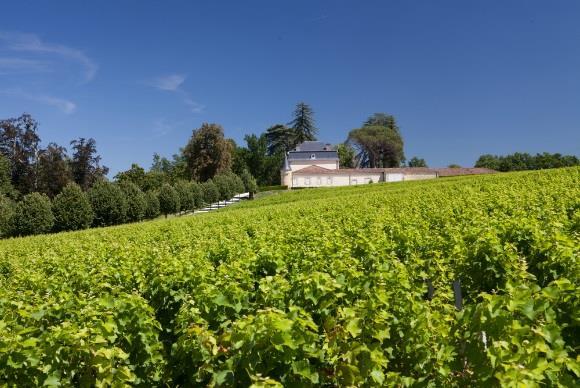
x,y
109,204
186,198
136,203
197,193
210,191
72,209
238,184
168,200
224,184
152,205
6,214
33,215
249,182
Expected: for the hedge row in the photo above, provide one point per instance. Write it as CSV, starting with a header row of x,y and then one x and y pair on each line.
x,y
109,203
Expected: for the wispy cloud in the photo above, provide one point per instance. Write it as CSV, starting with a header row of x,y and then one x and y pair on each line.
x,y
161,128
66,106
10,65
31,43
194,106
173,83
169,83
317,19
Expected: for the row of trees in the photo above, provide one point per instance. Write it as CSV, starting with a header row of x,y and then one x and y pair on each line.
x,y
107,203
523,161
26,167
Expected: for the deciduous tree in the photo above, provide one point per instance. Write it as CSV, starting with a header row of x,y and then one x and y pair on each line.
x,y
210,191
85,163
208,152
136,202
186,195
168,200
378,143
33,215
250,185
19,142
6,187
53,170
136,175
6,215
152,208
72,209
109,204
417,162
346,155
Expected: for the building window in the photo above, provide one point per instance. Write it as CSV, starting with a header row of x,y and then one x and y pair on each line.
x,y
319,181
329,180
294,181
307,181
312,156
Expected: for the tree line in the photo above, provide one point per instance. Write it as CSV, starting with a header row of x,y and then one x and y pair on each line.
x,y
46,189
521,161
113,203
29,168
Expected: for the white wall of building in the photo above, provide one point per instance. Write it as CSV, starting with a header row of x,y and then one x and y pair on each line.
x,y
394,177
333,180
416,177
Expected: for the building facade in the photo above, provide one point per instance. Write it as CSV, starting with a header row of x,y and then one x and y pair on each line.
x,y
316,164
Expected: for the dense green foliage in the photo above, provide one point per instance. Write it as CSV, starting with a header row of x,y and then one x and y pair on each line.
x,y
5,177
417,162
168,200
27,167
523,161
197,194
6,214
72,209
32,215
136,203
152,205
186,195
314,287
346,155
378,143
207,153
302,124
210,192
109,204
250,185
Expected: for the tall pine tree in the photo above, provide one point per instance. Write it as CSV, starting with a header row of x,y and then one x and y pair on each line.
x,y
302,125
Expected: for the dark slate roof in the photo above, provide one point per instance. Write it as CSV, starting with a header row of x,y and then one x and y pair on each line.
x,y
313,146
307,155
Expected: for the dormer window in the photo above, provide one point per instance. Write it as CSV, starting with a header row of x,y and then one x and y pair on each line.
x,y
312,156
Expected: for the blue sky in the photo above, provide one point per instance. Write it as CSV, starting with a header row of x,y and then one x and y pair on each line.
x,y
462,78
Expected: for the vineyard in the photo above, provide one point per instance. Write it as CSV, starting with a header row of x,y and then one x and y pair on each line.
x,y
325,287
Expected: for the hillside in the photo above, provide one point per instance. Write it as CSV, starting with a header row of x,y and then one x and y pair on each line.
x,y
339,286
